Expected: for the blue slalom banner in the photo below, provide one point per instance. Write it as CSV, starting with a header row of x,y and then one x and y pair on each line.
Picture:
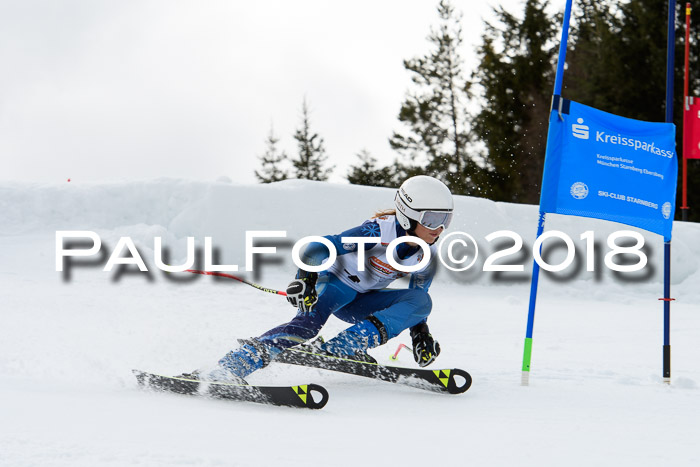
x,y
609,167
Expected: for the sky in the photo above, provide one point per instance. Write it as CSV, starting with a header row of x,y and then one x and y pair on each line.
x,y
94,90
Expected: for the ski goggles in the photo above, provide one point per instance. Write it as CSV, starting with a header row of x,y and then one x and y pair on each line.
x,y
431,219
435,219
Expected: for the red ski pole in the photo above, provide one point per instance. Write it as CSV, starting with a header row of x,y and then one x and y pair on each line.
x,y
396,354
230,276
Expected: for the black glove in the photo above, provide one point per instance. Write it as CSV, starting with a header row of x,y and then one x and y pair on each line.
x,y
301,292
425,348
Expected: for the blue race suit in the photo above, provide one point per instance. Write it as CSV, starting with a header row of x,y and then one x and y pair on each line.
x,y
352,295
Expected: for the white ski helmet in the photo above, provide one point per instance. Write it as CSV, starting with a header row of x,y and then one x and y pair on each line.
x,y
423,200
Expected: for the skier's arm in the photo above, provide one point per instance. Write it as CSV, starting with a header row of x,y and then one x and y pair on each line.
x,y
425,348
423,278
301,292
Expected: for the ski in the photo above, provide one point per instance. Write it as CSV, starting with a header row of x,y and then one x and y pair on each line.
x,y
291,396
443,380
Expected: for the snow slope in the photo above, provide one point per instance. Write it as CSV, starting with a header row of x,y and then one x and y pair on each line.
x,y
69,341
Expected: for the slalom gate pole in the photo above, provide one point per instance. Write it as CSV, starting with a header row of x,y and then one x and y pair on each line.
x,y
527,351
231,276
667,314
686,108
559,77
670,50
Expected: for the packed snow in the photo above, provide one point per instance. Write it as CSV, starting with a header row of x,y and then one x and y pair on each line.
x,y
69,340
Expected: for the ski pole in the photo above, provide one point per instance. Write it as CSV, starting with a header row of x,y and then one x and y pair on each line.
x,y
396,354
230,276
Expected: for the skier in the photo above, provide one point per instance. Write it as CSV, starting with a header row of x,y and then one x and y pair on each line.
x,y
424,208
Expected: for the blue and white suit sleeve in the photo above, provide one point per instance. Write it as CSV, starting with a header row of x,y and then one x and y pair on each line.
x,y
316,253
422,279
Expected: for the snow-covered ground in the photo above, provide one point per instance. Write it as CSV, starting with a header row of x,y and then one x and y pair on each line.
x,y
68,341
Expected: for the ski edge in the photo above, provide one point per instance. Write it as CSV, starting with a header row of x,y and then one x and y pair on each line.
x,y
300,396
440,380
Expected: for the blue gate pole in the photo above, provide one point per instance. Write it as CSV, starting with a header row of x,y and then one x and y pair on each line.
x,y
667,313
527,352
670,51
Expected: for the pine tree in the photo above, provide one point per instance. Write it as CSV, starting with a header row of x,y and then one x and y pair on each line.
x,y
367,172
594,42
435,111
516,76
618,58
271,161
312,154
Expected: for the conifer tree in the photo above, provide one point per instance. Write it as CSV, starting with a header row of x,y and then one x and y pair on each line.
x,y
516,76
434,111
271,161
312,154
368,173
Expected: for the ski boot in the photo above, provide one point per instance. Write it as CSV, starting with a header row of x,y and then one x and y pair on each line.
x,y
353,342
237,364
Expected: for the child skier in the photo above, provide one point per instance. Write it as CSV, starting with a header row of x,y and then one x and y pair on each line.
x,y
424,208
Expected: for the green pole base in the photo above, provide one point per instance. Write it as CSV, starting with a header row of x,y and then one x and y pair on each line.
x,y
527,356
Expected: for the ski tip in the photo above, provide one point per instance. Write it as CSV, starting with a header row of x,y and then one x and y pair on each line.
x,y
320,391
459,381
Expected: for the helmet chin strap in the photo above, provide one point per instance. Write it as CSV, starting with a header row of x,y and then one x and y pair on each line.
x,y
412,225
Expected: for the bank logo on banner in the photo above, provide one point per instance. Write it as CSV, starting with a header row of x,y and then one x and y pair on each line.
x,y
580,131
609,167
